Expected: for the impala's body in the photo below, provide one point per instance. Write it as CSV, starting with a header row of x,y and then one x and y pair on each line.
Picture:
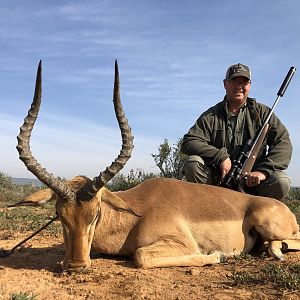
x,y
168,222
161,222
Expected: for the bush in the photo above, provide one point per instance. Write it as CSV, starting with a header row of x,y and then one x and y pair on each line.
x,y
294,206
5,181
22,218
294,194
10,192
124,182
170,159
280,277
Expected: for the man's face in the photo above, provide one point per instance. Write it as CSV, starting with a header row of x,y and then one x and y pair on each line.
x,y
237,90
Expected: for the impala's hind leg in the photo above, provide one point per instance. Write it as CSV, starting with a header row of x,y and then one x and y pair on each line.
x,y
278,226
291,245
168,252
276,247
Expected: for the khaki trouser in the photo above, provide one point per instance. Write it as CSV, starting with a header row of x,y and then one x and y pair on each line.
x,y
196,170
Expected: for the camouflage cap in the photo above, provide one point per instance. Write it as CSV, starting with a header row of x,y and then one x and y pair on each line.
x,y
238,70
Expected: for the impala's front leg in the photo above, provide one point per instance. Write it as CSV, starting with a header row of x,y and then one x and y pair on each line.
x,y
168,252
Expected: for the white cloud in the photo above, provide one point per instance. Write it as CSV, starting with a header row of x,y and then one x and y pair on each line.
x,y
68,147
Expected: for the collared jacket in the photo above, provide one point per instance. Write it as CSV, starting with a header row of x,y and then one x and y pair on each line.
x,y
207,138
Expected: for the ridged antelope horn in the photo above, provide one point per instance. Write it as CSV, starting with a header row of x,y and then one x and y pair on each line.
x,y
23,146
125,153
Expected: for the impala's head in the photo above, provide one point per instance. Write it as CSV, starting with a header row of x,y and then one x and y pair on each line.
x,y
78,219
78,201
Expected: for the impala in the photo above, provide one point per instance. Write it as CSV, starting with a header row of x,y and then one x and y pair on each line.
x,y
161,222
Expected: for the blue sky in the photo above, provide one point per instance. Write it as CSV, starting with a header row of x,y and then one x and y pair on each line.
x,y
172,57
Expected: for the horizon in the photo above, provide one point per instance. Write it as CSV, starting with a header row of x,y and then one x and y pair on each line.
x,y
172,58
19,179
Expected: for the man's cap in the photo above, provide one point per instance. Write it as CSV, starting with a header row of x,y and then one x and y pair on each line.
x,y
238,70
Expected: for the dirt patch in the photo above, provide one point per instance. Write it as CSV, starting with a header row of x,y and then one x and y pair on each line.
x,y
35,270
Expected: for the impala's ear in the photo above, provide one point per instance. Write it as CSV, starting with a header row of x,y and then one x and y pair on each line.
x,y
38,198
116,202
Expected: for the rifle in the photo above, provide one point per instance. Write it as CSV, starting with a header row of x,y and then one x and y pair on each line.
x,y
243,165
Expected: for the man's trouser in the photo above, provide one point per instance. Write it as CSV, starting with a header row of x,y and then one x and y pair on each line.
x,y
276,185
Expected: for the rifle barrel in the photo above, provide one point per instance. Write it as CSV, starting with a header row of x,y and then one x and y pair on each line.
x,y
286,81
280,93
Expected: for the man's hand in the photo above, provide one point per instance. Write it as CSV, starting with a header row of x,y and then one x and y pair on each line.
x,y
254,178
225,167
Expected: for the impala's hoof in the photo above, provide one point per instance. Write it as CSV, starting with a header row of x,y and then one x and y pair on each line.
x,y
221,257
276,253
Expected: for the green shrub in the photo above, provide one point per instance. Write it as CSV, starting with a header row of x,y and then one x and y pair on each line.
x,y
23,296
22,218
294,194
294,206
170,159
11,193
124,182
279,276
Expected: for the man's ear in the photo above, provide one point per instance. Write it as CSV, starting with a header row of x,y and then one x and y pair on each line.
x,y
224,83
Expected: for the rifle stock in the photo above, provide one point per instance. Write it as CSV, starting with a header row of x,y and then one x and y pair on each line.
x,y
250,161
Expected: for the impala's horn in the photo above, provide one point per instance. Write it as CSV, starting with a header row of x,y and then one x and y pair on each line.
x,y
90,190
23,147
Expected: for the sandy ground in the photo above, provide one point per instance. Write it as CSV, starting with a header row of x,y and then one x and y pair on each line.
x,y
35,269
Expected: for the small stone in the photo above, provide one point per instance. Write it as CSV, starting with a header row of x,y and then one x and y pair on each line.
x,y
194,272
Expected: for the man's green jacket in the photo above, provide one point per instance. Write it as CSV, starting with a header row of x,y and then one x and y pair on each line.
x,y
208,138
